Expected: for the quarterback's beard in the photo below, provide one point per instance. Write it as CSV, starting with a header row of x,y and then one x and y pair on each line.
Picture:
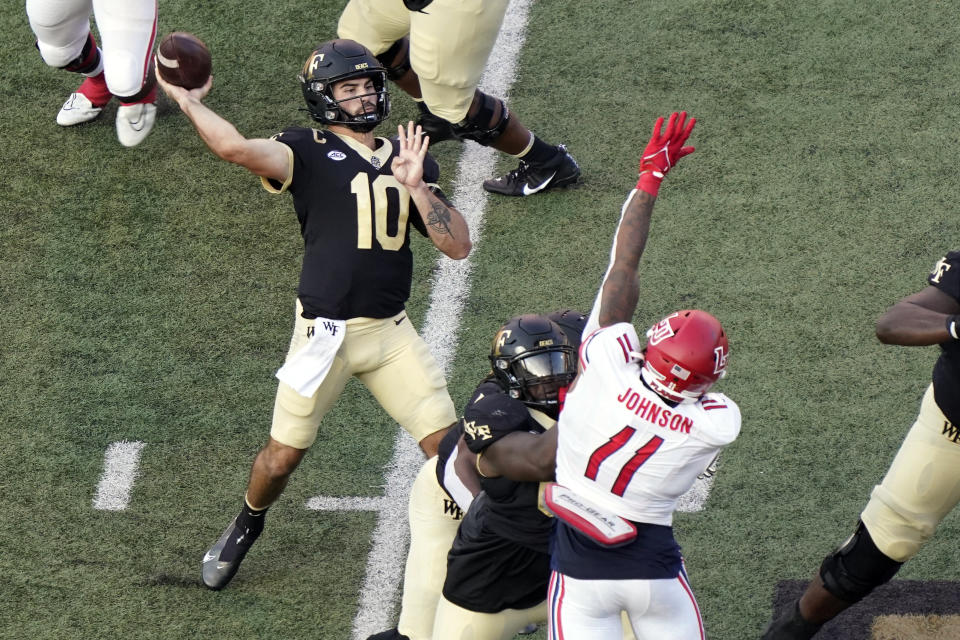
x,y
362,127
365,121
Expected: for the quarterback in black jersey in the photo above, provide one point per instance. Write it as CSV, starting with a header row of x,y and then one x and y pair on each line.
x,y
356,197
922,484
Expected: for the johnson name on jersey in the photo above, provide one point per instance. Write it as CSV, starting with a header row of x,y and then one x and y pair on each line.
x,y
624,447
355,219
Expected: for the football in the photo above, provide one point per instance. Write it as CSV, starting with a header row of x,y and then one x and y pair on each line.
x,y
184,60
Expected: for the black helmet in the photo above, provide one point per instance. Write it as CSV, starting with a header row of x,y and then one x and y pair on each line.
x,y
573,323
338,60
532,359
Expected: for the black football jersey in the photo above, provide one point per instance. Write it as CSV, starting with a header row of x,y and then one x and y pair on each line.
x,y
355,220
452,437
500,557
513,508
946,372
487,572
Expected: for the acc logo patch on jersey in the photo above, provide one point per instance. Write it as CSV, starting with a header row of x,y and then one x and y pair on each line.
x,y
337,155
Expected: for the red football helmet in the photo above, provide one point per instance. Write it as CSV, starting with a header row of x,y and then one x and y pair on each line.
x,y
686,353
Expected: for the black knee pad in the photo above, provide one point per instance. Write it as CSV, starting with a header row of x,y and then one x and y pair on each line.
x,y
856,568
434,126
87,61
487,124
396,59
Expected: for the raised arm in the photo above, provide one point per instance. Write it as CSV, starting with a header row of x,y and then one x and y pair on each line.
x,y
262,157
617,299
923,318
445,225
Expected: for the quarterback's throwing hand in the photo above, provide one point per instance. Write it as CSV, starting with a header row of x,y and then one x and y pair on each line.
x,y
664,150
179,94
407,167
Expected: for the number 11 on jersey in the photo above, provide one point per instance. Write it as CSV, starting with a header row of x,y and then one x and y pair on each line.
x,y
613,445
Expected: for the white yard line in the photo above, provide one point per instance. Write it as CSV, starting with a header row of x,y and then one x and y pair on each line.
x,y
696,496
120,464
451,286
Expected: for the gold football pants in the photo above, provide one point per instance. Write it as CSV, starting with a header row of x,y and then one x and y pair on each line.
x,y
921,486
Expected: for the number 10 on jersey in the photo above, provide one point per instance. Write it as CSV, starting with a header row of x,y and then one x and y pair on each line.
x,y
376,201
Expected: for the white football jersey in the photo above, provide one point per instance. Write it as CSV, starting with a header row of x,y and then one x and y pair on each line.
x,y
622,446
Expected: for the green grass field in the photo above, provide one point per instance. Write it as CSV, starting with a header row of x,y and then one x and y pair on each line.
x,y
147,295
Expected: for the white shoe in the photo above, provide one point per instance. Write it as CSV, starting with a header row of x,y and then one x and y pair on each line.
x,y
134,122
77,109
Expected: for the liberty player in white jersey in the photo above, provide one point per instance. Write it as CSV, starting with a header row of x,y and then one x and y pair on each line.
x,y
637,429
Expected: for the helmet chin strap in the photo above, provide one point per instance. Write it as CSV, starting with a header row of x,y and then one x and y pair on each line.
x,y
650,379
361,127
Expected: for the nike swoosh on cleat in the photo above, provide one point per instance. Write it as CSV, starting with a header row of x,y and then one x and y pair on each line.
x,y
527,191
397,322
207,557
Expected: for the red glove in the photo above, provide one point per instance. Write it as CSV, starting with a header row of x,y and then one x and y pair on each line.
x,y
663,151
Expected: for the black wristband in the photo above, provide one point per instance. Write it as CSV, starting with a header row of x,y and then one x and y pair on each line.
x,y
953,326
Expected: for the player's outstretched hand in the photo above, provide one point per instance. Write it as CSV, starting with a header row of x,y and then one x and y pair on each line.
x,y
407,167
179,94
664,150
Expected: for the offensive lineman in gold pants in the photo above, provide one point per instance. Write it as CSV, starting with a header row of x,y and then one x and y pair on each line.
x,y
922,484
436,51
441,493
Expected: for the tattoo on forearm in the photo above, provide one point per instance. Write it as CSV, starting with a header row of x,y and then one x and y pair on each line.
x,y
620,291
439,218
620,294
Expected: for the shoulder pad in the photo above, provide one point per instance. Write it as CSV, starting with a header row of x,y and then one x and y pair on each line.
x,y
486,388
724,416
492,417
946,274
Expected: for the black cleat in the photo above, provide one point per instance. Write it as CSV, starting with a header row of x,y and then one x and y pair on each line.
x,y
790,626
217,573
528,179
393,634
